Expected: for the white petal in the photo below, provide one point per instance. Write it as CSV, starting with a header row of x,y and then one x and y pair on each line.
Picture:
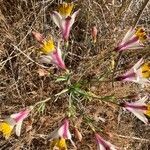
x,y
138,64
57,18
58,49
45,59
54,135
100,147
142,100
18,128
128,35
73,16
138,114
112,147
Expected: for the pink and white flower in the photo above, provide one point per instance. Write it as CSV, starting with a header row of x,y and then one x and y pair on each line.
x,y
15,120
132,40
103,144
63,19
138,108
55,58
62,132
52,54
136,74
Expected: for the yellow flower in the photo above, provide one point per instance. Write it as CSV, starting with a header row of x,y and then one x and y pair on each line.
x,y
146,70
65,9
59,144
6,129
148,110
140,33
48,46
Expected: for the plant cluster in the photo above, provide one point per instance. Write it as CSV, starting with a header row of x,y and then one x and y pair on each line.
x,y
51,53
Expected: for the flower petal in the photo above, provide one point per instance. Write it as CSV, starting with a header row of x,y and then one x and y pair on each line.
x,y
57,59
21,115
56,17
103,144
18,128
139,114
138,64
67,25
47,59
141,101
128,35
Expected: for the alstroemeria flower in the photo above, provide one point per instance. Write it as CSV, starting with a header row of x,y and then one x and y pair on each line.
x,y
132,40
103,144
52,54
63,19
60,135
7,125
139,73
54,58
138,108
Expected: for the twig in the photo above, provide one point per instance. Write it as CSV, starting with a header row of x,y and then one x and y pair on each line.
x,y
133,137
140,13
28,56
42,101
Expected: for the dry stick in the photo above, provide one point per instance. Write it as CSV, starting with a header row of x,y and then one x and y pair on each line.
x,y
133,137
140,13
135,23
28,56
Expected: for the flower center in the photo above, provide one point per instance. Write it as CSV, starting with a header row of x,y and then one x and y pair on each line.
x,y
59,144
140,33
65,9
48,46
146,70
6,129
148,110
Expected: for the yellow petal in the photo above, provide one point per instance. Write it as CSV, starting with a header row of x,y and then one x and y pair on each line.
x,y
146,70
65,9
48,46
148,110
59,144
140,33
6,129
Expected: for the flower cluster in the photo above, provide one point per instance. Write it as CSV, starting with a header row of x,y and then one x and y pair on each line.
x,y
51,54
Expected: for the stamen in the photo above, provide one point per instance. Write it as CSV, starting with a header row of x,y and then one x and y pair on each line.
x,y
146,70
6,129
48,46
141,34
59,144
148,110
65,9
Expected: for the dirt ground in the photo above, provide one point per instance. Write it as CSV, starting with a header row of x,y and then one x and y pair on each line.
x,y
90,67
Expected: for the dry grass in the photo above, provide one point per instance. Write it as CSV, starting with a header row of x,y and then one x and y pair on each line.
x,y
89,63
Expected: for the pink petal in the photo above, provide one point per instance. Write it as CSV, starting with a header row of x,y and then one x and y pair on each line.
x,y
66,25
103,144
57,59
21,115
63,131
